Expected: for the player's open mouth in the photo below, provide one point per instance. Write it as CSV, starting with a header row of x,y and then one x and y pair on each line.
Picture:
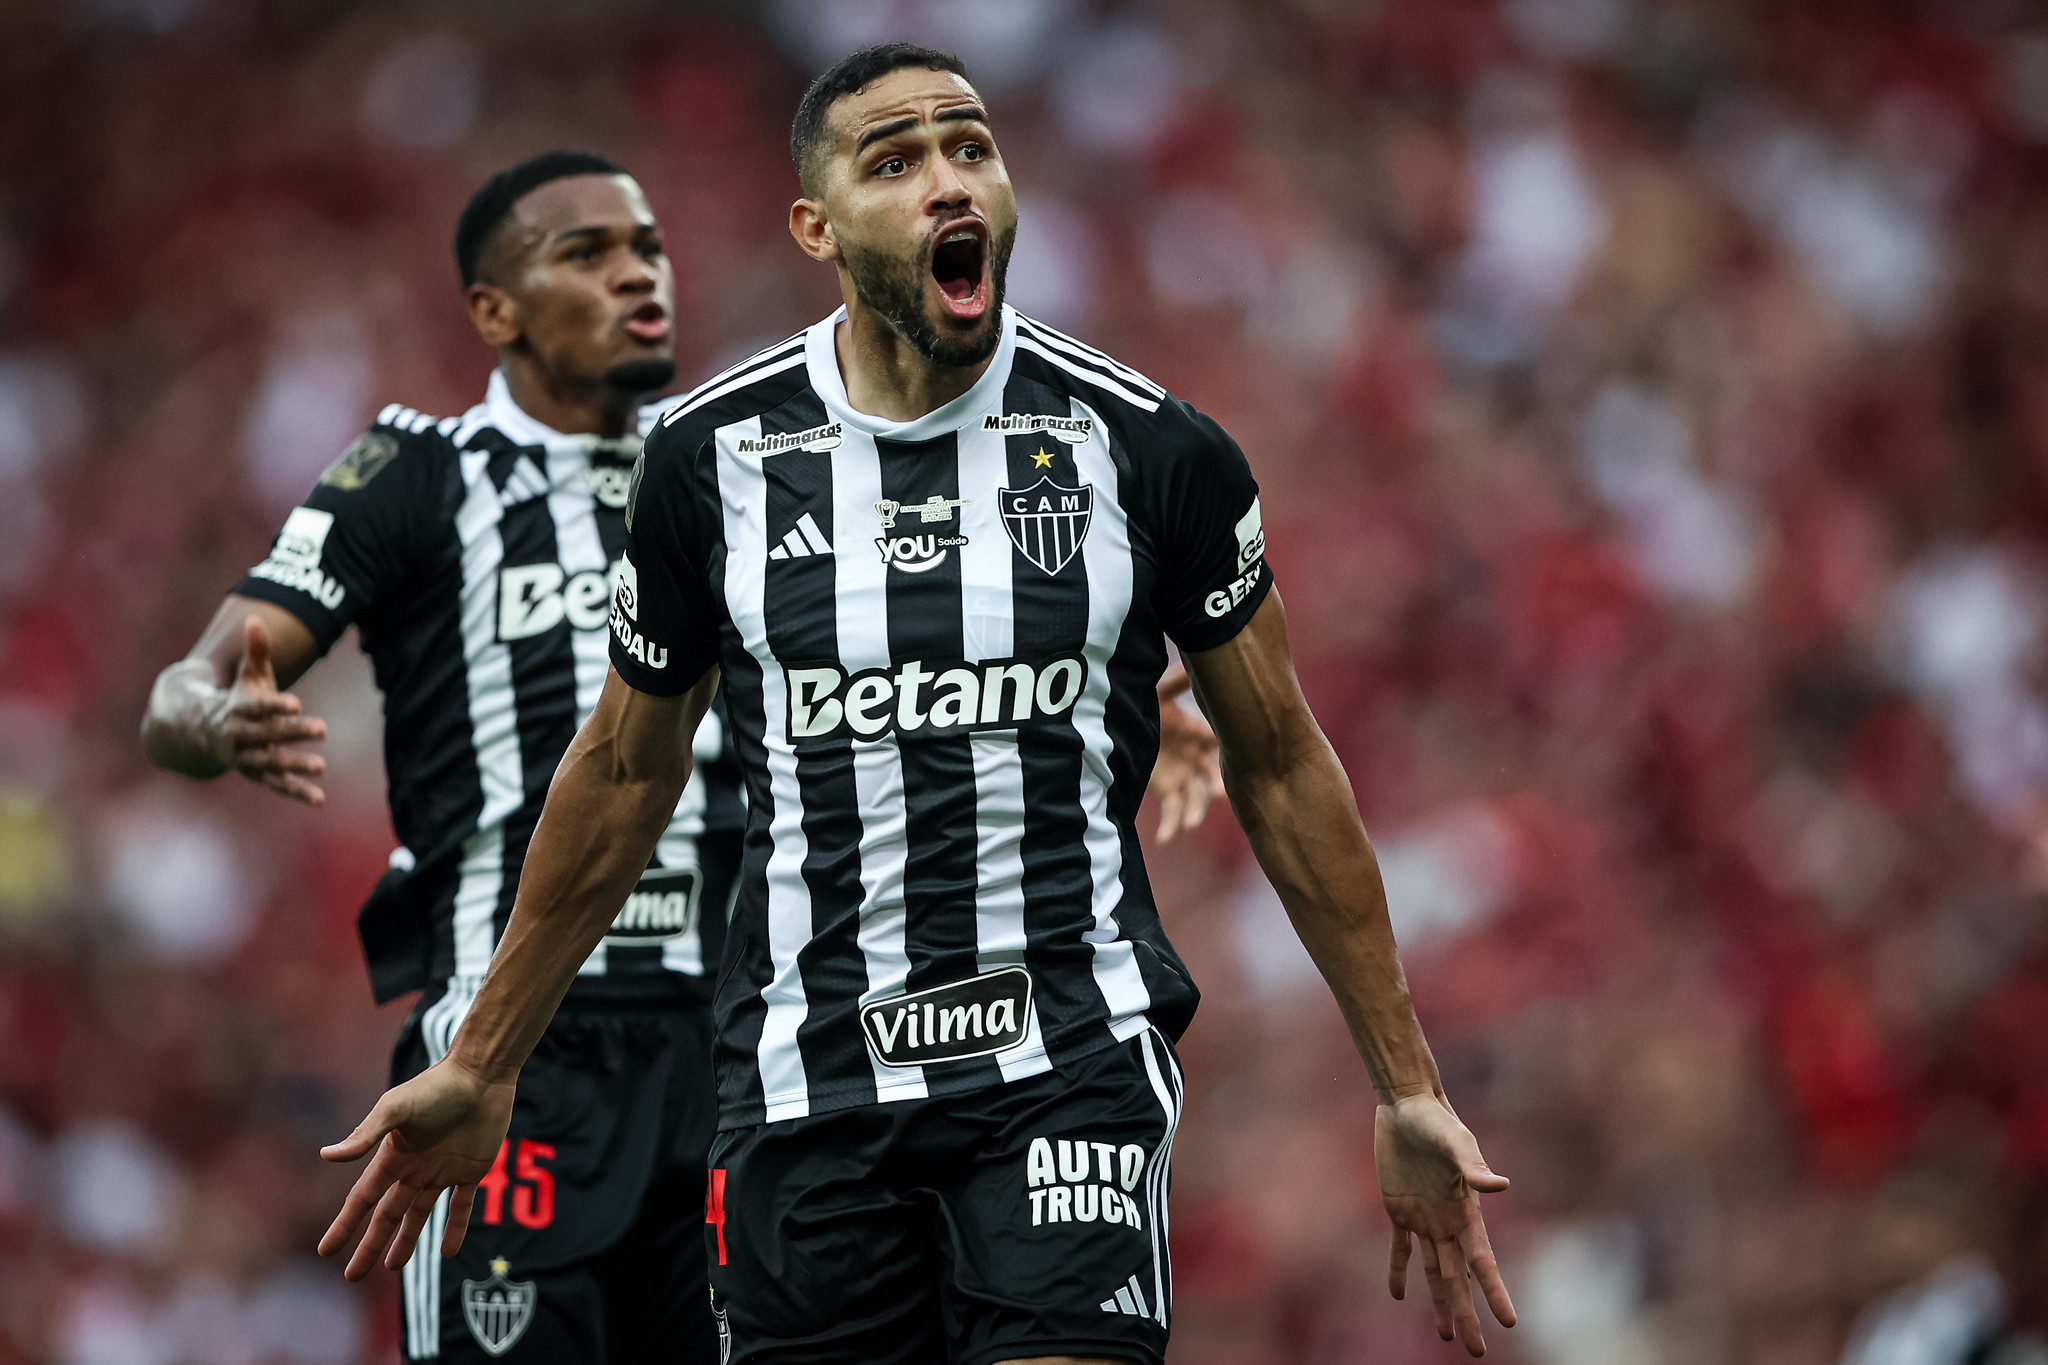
x,y
960,269
649,322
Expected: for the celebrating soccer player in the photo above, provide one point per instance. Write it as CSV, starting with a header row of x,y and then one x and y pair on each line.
x,y
475,555
933,551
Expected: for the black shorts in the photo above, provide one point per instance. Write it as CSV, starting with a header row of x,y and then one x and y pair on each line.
x,y
1021,1219
585,1244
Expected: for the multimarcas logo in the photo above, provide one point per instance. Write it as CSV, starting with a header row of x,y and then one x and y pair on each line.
x,y
920,698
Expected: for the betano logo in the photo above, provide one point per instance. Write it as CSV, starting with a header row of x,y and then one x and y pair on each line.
x,y
825,703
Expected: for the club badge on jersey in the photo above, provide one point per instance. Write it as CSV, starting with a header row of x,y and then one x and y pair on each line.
x,y
498,1310
1047,522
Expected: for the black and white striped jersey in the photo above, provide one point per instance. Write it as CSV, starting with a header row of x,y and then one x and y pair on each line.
x,y
475,555
940,641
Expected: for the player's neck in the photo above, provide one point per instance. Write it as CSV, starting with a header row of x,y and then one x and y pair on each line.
x,y
886,376
597,410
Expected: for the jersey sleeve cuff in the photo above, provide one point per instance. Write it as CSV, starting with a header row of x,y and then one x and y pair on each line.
x,y
671,681
326,627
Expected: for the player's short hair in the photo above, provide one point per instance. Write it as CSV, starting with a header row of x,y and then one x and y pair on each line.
x,y
492,204
850,74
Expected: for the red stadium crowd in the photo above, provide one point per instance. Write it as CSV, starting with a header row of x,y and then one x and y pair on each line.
x,y
1650,400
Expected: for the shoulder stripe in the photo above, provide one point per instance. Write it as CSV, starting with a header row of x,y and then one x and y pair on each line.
x,y
761,357
704,396
1100,380
404,418
1060,341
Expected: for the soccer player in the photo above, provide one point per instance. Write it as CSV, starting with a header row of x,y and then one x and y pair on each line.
x,y
930,548
474,554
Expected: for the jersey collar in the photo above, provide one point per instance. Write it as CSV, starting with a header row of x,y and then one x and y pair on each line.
x,y
523,429
821,359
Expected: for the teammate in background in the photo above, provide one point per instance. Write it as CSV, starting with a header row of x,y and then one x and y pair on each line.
x,y
474,554
947,1088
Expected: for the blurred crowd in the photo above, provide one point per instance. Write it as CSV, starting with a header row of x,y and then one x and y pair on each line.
x,y
1650,399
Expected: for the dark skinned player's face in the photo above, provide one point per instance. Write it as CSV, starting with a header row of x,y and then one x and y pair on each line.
x,y
578,280
922,212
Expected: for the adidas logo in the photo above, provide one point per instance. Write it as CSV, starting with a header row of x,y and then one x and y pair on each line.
x,y
1129,1301
524,485
803,541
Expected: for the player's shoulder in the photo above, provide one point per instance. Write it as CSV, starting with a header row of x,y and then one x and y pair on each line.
x,y
402,444
761,383
1148,421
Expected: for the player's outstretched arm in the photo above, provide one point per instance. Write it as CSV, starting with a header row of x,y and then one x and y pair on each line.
x,y
221,708
610,800
1296,806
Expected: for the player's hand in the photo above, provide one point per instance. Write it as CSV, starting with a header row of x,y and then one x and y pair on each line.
x,y
1431,1177
259,726
440,1130
1187,775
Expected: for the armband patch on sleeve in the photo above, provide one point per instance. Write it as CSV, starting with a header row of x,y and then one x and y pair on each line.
x,y
362,462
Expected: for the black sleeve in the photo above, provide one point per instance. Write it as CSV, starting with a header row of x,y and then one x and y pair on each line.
x,y
664,617
1211,545
350,543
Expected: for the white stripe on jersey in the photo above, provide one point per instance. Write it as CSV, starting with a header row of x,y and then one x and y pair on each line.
x,y
743,494
988,631
716,390
760,357
493,714
1095,377
1060,341
1106,550
860,581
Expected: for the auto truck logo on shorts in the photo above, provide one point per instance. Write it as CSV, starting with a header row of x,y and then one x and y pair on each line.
x,y
922,698
498,1310
981,1015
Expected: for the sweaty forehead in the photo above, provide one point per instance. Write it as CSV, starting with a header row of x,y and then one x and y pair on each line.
x,y
910,92
580,201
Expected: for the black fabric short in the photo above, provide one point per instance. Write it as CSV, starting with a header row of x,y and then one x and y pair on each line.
x,y
585,1244
1022,1219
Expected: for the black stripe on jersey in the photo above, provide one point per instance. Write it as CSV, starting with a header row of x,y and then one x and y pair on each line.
x,y
1051,615
939,877
1068,348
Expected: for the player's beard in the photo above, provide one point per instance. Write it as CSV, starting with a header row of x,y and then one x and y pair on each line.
x,y
635,377
894,287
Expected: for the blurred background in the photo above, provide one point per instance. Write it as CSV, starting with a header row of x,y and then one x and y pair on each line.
x,y
1651,403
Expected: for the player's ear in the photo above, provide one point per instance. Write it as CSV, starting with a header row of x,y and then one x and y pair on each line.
x,y
494,312
813,230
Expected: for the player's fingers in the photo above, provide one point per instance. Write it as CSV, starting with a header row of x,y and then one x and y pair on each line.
x,y
362,1197
275,727
1464,1317
1170,802
384,1223
1481,1176
277,758
297,788
416,1216
1397,1264
258,704
380,1120
458,1219
1486,1270
255,650
1439,1292
1197,804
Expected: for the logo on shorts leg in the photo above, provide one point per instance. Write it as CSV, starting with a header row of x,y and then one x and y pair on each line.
x,y
972,1018
724,1331
498,1310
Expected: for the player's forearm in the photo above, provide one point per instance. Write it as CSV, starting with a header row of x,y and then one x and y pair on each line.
x,y
594,839
182,725
1303,823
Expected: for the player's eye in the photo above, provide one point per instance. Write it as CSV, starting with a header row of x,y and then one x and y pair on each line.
x,y
972,151
894,165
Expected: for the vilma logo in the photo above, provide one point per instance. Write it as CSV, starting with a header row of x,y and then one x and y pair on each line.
x,y
498,1310
916,554
1046,522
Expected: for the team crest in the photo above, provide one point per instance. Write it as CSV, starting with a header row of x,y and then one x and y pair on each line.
x,y
1047,522
498,1310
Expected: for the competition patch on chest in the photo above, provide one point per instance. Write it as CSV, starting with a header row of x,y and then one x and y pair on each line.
x,y
977,1017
